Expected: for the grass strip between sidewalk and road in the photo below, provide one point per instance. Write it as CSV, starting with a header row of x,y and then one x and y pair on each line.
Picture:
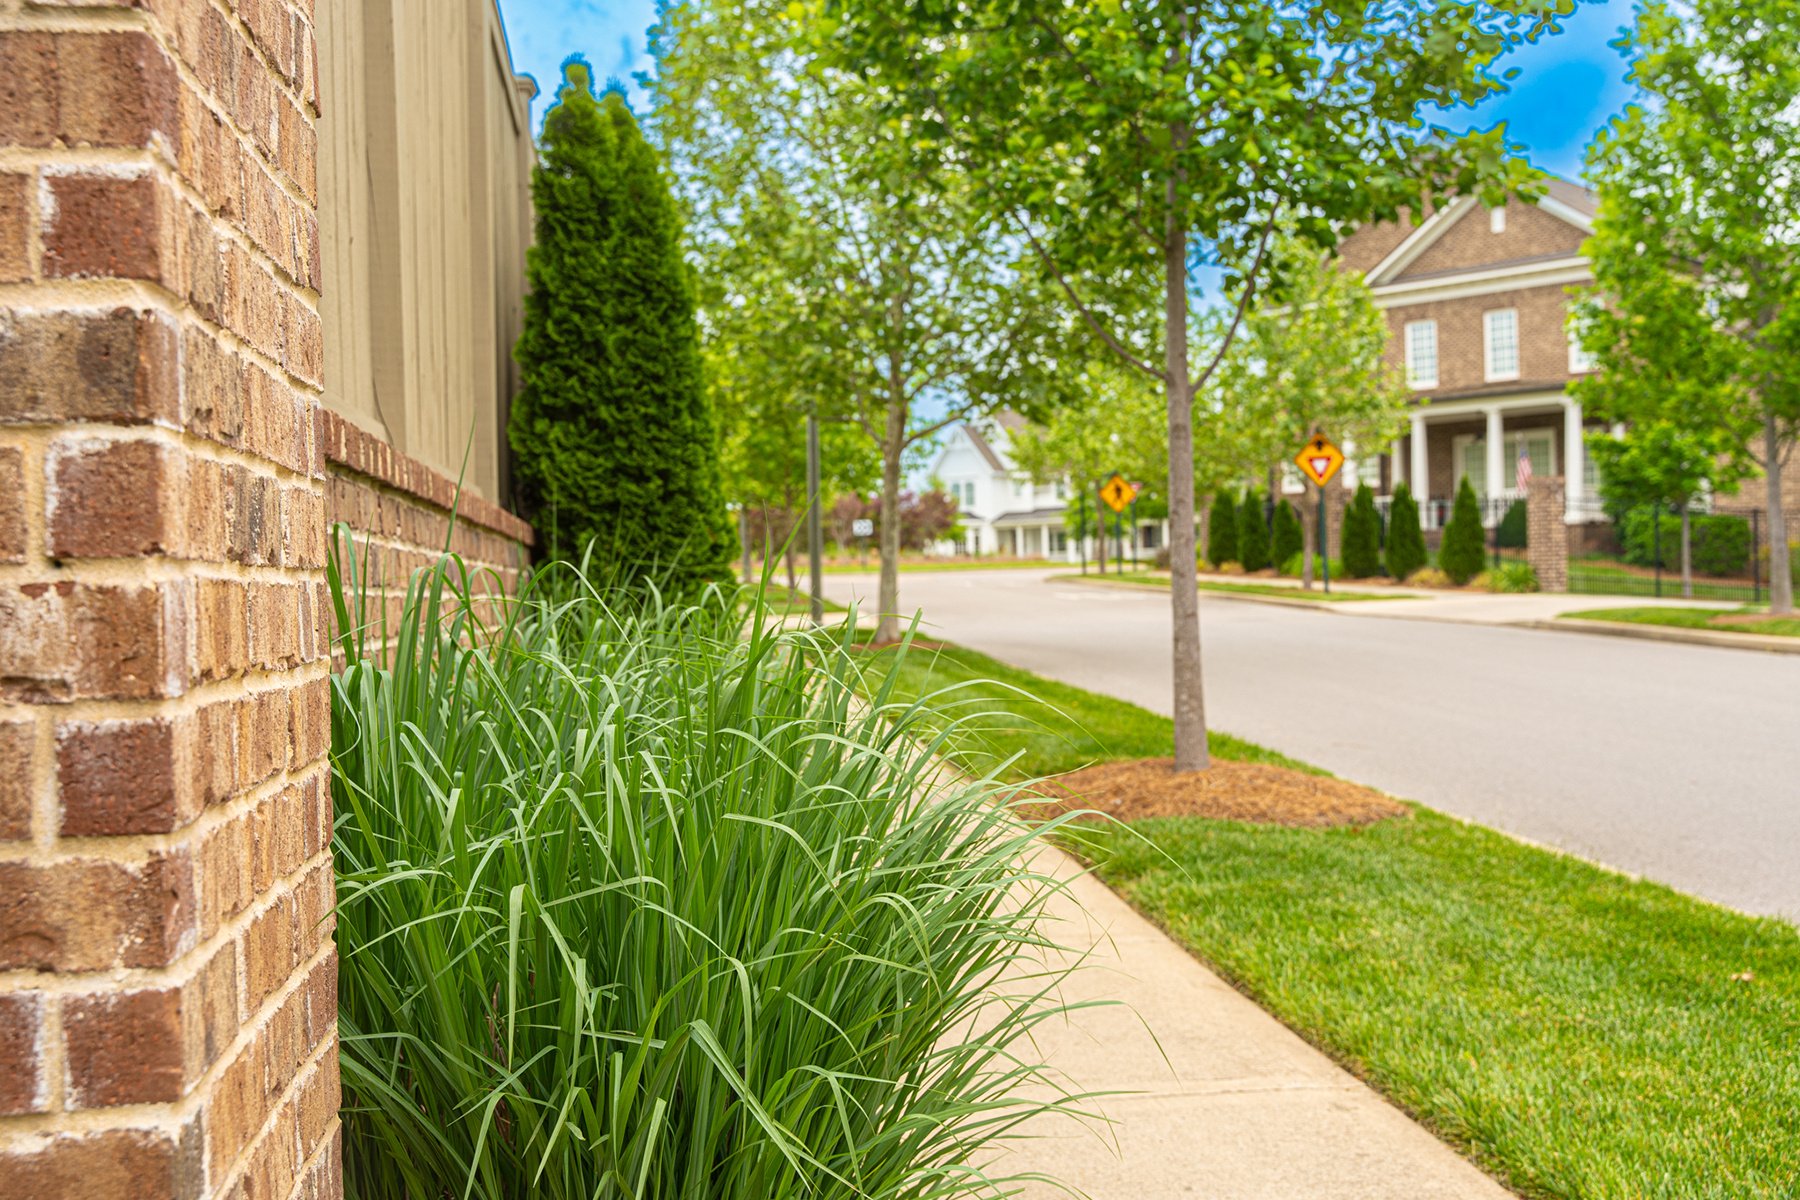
x,y
910,566
1576,1032
1696,618
1157,579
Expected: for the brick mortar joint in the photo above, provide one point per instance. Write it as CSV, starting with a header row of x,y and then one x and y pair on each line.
x,y
476,510
247,1152
101,296
136,849
17,1133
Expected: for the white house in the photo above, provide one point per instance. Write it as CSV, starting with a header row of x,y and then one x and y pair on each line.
x,y
1003,511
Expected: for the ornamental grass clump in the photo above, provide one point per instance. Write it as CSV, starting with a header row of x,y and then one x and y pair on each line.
x,y
639,901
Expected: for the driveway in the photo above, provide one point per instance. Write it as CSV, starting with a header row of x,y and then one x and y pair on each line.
x,y
1678,763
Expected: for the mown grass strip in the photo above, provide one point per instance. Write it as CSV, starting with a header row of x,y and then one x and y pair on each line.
x,y
1156,579
910,566
1576,1032
1693,618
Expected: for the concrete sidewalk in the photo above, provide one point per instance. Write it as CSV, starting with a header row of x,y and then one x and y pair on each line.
x,y
1224,1102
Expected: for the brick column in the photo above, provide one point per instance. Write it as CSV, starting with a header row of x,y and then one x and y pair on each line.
x,y
1546,534
167,973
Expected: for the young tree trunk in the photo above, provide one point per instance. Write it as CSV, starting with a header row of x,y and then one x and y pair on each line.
x,y
887,593
1781,574
1687,554
1184,580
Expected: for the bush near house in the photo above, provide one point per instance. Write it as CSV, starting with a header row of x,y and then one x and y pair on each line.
x,y
1362,535
1289,538
1253,532
612,429
1720,545
1295,565
1508,577
1511,534
1463,553
1406,537
1222,531
640,900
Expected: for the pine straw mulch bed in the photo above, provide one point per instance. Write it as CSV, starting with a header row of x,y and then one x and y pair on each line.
x,y
1226,791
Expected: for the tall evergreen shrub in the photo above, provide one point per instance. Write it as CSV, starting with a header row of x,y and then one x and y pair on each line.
x,y
1463,553
1362,536
613,430
1222,530
1253,532
1406,536
1289,538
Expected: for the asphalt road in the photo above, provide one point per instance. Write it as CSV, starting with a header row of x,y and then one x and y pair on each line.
x,y
1677,763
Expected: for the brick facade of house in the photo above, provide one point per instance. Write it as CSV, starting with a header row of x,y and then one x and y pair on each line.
x,y
168,475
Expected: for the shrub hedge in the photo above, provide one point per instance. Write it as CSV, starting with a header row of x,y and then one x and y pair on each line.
x,y
1222,531
1253,532
1406,536
1720,544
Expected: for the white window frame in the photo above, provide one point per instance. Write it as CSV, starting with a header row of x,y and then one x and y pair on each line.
x,y
1368,470
1418,334
1580,361
1292,482
1497,219
1488,320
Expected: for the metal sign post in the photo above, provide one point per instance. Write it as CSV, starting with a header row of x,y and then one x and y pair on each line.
x,y
1320,460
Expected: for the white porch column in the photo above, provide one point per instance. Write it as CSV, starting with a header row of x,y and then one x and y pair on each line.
x,y
1418,477
1574,461
1397,469
1496,453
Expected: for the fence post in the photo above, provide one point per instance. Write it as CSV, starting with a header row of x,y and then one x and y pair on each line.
x,y
1755,556
1546,532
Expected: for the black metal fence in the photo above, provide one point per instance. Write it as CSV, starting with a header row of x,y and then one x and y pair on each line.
x,y
1638,552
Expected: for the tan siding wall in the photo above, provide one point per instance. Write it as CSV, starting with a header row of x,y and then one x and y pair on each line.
x,y
425,171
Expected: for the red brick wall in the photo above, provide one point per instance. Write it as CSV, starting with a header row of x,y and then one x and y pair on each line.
x,y
167,972
1461,332
405,515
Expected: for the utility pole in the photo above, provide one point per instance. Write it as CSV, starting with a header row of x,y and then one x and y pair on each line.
x,y
815,532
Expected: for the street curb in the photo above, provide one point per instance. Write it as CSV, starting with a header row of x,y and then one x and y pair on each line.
x,y
1667,633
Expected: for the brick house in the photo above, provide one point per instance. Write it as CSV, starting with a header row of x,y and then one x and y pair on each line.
x,y
1477,301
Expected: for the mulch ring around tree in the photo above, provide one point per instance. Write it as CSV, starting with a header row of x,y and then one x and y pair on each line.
x,y
1226,791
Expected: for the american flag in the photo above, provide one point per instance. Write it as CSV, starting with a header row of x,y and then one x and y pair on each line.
x,y
1522,473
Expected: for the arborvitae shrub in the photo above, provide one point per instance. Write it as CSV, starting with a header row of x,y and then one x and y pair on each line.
x,y
612,429
1511,534
1406,537
1253,532
1463,554
1362,535
1222,531
1289,538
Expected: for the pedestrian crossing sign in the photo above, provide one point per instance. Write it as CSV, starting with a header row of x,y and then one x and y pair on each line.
x,y
1320,459
1117,493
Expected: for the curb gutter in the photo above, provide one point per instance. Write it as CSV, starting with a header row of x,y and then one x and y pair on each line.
x,y
1668,633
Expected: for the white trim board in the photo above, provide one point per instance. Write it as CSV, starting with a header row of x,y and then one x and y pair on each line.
x,y
1420,240
1549,273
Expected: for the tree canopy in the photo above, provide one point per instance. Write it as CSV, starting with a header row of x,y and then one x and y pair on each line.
x,y
612,428
1129,143
1694,319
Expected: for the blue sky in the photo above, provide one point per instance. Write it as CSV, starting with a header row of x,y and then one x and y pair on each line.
x,y
1570,84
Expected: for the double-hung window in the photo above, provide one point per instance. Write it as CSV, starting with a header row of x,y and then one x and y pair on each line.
x,y
1421,354
1502,339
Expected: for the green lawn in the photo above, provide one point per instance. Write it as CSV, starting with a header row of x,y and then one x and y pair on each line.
x,y
1157,579
1608,576
1577,1033
946,564
1691,618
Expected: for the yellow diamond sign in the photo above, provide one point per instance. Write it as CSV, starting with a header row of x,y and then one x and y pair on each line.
x,y
1117,493
1320,460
